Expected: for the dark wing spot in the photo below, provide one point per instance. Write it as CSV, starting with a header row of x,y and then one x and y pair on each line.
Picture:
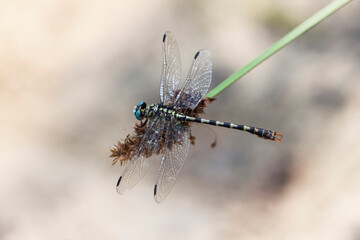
x,y
164,37
118,182
197,54
155,188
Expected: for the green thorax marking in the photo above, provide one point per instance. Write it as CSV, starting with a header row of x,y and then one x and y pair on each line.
x,y
155,109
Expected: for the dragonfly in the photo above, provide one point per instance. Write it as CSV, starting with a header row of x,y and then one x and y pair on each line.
x,y
167,126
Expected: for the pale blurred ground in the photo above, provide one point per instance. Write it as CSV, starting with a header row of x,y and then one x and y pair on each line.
x,y
71,72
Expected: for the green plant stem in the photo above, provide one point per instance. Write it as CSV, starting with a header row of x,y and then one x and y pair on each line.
x,y
291,36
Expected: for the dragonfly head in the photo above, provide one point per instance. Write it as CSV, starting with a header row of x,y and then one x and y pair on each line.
x,y
139,110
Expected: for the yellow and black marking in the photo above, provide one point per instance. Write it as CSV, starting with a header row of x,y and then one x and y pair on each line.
x,y
170,113
262,133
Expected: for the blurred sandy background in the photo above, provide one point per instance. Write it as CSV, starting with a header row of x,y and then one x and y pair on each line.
x,y
71,72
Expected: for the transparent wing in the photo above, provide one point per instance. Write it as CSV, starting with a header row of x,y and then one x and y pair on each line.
x,y
153,138
142,160
171,70
197,82
172,160
134,172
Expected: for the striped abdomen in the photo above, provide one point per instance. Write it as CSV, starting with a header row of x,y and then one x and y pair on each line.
x,y
262,133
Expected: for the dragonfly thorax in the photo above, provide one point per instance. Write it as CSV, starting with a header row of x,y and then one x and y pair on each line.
x,y
142,111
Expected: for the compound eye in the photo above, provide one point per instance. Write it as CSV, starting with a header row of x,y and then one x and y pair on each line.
x,y
138,115
142,105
